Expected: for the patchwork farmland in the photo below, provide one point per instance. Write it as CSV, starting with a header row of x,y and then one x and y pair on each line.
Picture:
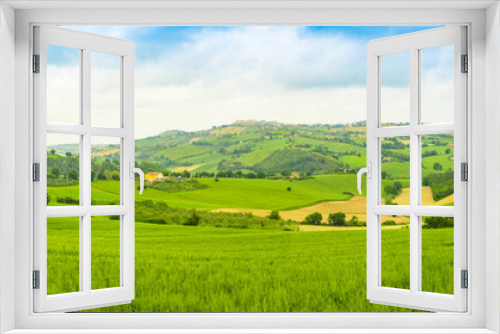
x,y
255,217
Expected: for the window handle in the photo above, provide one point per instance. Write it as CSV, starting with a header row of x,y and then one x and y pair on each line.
x,y
368,171
139,171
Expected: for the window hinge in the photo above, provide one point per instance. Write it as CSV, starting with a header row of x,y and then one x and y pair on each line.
x,y
36,279
465,279
465,64
36,63
464,171
36,172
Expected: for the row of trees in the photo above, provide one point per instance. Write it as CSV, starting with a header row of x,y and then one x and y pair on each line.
x,y
335,219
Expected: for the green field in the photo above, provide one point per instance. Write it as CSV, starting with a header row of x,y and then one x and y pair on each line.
x,y
234,193
206,269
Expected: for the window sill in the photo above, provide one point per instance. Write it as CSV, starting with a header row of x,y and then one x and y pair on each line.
x,y
252,331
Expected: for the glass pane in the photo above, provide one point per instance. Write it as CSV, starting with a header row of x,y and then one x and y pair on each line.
x,y
395,235
437,170
105,252
63,170
437,254
106,90
395,90
105,171
395,170
63,85
437,85
63,255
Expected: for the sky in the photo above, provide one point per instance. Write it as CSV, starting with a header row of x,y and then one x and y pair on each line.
x,y
192,78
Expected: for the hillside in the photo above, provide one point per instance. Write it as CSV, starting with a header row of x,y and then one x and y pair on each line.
x,y
268,147
267,150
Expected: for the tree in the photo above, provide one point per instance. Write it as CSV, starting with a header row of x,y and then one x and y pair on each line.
x,y
100,175
49,198
115,176
437,166
336,219
274,215
448,151
314,218
93,175
68,154
261,175
390,190
193,220
384,175
73,175
398,186
53,152
285,173
56,172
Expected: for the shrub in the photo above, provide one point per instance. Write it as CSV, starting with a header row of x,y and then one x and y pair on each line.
x,y
274,215
67,200
314,218
73,174
354,221
193,220
389,222
336,219
438,222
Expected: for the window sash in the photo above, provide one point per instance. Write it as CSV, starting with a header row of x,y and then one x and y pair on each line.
x,y
414,297
85,298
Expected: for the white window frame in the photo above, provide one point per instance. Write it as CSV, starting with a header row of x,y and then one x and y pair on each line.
x,y
483,249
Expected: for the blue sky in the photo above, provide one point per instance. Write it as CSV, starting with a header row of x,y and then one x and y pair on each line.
x,y
192,78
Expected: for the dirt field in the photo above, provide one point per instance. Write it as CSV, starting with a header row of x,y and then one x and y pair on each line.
x,y
404,198
104,153
228,130
188,168
354,207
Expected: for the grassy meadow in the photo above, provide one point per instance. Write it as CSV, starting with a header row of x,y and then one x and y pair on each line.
x,y
207,269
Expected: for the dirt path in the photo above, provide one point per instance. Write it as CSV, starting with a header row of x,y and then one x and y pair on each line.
x,y
315,228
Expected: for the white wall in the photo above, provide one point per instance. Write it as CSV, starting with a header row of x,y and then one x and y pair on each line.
x,y
493,159
7,160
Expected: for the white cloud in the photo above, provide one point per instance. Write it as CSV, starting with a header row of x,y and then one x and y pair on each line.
x,y
271,73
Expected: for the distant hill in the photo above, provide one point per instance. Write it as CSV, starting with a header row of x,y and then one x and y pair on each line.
x,y
251,145
263,149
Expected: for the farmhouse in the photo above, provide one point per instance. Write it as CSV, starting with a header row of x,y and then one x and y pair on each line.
x,y
153,176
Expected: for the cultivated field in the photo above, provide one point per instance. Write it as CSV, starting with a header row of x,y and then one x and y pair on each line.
x,y
206,269
205,237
